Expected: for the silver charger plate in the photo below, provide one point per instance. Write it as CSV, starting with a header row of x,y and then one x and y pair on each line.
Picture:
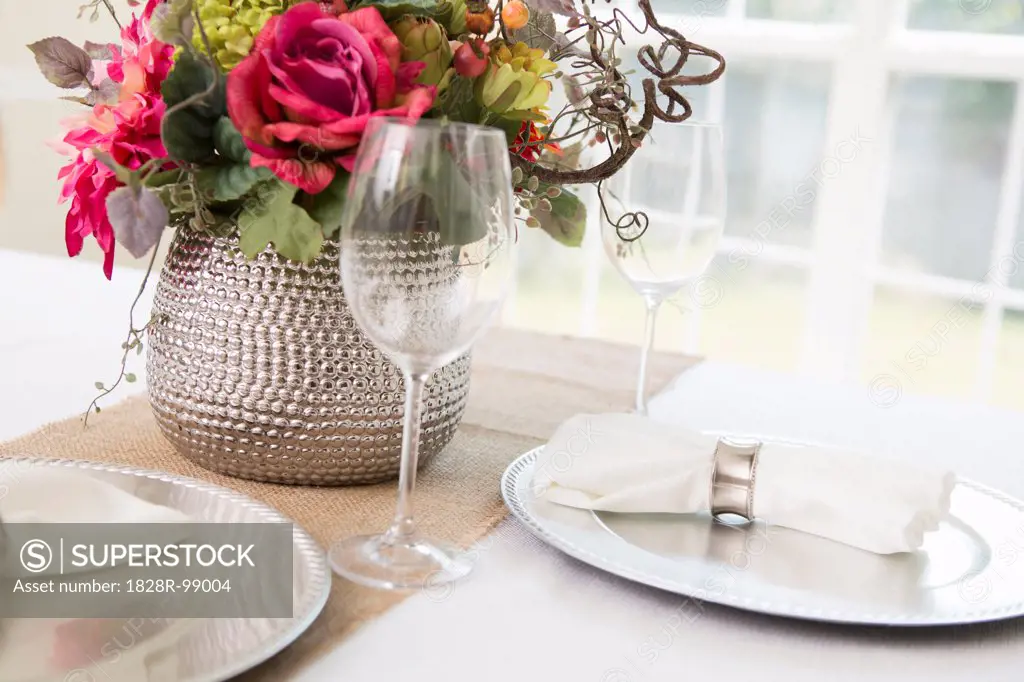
x,y
163,650
968,571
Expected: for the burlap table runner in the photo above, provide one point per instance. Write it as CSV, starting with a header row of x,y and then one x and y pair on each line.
x,y
523,385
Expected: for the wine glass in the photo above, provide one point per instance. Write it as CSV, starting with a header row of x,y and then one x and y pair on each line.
x,y
677,180
427,259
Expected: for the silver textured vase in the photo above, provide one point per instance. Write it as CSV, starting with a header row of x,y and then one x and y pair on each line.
x,y
257,369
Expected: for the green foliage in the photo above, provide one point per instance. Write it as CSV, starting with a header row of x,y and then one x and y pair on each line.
x,y
153,178
271,218
229,143
190,76
232,177
510,126
174,189
566,221
393,9
449,13
518,116
462,216
187,137
325,207
196,100
230,182
458,102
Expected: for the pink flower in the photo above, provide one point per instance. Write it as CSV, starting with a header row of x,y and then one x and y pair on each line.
x,y
136,138
304,95
144,62
147,11
88,183
129,131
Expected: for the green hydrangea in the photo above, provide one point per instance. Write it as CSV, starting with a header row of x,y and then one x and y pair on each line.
x,y
230,26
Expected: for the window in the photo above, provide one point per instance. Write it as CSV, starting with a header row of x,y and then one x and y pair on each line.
x,y
904,265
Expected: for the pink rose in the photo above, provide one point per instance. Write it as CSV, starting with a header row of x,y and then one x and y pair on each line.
x,y
304,95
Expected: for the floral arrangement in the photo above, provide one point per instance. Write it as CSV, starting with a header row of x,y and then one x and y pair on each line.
x,y
207,108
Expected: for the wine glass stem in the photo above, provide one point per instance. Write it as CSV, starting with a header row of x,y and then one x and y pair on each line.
x,y
645,354
404,526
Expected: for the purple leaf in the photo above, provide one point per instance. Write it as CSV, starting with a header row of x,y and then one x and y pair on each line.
x,y
105,93
138,217
538,32
566,8
64,64
99,50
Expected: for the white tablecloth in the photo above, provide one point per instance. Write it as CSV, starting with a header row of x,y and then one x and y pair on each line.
x,y
529,613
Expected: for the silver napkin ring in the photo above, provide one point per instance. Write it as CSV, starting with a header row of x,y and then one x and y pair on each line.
x,y
733,475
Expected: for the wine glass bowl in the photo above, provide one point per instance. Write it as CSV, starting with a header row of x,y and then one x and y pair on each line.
x,y
668,236
658,260
427,260
412,300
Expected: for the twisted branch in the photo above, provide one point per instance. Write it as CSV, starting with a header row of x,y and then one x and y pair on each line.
x,y
611,101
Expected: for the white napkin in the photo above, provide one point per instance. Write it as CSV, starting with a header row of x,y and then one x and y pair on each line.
x,y
50,495
631,464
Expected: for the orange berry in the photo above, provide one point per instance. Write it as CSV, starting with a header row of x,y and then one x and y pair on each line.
x,y
481,22
515,15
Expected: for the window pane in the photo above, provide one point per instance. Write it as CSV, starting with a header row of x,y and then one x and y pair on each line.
x,y
920,344
800,10
549,291
981,16
774,128
1009,375
775,131
1014,267
752,312
621,312
949,141
710,8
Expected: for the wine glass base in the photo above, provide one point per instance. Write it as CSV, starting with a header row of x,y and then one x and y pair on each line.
x,y
385,563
